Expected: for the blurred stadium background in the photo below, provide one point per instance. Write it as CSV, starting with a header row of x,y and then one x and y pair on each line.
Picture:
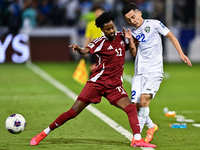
x,y
41,30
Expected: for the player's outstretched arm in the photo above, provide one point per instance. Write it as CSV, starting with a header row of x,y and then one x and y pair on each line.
x,y
132,47
78,49
176,44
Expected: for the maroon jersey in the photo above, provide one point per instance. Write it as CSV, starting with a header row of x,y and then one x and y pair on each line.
x,y
110,56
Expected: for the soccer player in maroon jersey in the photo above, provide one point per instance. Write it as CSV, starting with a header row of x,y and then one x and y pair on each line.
x,y
106,79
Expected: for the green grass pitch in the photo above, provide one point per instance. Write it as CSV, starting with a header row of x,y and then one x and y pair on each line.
x,y
22,91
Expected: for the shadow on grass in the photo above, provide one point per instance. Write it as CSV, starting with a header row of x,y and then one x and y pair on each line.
x,y
84,141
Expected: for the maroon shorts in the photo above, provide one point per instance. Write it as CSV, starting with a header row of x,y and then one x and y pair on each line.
x,y
92,93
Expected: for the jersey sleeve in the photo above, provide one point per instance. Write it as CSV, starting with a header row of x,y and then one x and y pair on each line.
x,y
91,46
96,45
126,41
161,28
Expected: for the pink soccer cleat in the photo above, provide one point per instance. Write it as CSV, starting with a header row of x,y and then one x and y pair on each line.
x,y
150,133
141,143
36,139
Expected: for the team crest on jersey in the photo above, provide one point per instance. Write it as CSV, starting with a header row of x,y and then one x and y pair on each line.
x,y
147,29
122,43
91,45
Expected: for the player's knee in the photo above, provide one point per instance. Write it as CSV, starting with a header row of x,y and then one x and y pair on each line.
x,y
145,100
130,109
137,105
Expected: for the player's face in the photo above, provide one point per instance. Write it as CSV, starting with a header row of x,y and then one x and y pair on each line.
x,y
109,30
134,18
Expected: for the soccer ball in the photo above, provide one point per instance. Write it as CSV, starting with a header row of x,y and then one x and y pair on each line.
x,y
15,123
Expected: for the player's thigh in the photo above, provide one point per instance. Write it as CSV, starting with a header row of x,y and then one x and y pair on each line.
x,y
115,94
123,103
152,85
91,93
136,88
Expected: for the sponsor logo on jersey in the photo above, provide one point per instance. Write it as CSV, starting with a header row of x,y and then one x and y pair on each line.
x,y
147,29
110,47
91,45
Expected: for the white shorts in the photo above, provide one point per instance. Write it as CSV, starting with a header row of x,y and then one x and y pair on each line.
x,y
145,84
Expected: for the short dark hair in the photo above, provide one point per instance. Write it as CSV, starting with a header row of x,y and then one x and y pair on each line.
x,y
105,17
130,6
95,7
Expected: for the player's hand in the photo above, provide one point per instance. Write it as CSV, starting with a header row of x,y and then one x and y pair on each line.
x,y
127,34
75,47
186,60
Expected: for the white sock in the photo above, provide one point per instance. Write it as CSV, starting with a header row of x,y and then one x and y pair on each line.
x,y
47,130
137,136
142,116
149,122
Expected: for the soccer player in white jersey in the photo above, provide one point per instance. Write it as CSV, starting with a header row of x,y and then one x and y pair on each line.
x,y
148,62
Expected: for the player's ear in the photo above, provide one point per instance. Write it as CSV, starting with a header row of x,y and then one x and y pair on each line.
x,y
140,13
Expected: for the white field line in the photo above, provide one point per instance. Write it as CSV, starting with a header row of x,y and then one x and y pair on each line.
x,y
90,108
196,125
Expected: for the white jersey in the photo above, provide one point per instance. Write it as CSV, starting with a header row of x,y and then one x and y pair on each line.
x,y
149,53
